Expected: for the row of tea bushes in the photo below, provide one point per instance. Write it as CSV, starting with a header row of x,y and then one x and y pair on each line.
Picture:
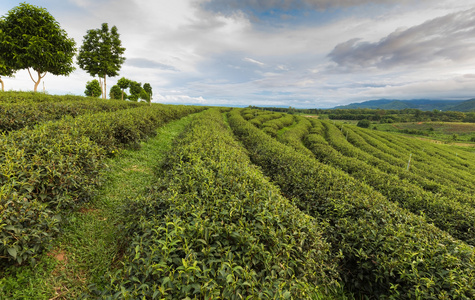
x,y
263,118
29,97
448,214
418,166
272,127
386,251
14,116
253,113
294,136
455,158
337,140
213,227
56,166
422,162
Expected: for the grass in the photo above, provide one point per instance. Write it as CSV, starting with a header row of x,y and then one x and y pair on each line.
x,y
90,245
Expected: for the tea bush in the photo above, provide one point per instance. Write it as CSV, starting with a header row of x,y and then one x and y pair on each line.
x,y
446,213
14,116
214,227
387,252
29,97
25,227
57,165
338,141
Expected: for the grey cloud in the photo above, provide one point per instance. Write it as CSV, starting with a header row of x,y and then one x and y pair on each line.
x,y
148,64
448,38
227,6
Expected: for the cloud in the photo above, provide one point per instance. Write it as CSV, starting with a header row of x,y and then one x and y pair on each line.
x,y
450,38
147,64
176,97
227,6
254,61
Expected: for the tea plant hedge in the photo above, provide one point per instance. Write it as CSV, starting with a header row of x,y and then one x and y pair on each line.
x,y
445,212
34,97
52,168
386,251
14,116
213,227
337,139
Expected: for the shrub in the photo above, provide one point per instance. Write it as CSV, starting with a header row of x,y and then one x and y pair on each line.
x,y
387,252
363,123
26,226
214,227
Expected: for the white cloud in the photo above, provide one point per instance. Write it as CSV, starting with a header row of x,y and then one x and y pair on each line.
x,y
238,52
247,59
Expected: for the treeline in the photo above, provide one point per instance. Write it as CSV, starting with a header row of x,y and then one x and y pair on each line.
x,y
380,115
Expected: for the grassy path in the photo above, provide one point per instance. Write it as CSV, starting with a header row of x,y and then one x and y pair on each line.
x,y
90,245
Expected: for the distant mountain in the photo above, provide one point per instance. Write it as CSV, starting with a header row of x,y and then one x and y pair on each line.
x,y
465,106
421,104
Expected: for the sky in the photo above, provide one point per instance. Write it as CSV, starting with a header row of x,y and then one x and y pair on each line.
x,y
298,53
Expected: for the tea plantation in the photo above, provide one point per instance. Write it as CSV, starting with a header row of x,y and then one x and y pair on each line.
x,y
244,204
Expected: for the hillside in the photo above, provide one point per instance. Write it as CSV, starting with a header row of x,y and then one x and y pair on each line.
x,y
421,104
243,203
466,106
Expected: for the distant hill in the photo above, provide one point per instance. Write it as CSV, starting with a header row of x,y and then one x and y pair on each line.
x,y
421,104
465,106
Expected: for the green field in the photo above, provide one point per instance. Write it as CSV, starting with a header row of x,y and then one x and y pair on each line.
x,y
447,132
119,200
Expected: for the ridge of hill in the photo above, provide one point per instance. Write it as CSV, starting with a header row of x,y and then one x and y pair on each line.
x,y
421,104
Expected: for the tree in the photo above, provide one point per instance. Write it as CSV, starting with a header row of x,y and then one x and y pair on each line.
x,y
135,90
148,89
123,84
102,54
363,123
144,96
30,38
93,88
5,71
116,92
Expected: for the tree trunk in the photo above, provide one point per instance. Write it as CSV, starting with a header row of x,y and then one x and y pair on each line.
x,y
122,94
37,82
105,87
102,87
1,82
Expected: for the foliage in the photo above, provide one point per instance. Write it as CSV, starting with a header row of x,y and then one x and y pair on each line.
x,y
56,166
148,89
387,252
116,92
214,227
93,88
5,70
102,53
31,38
26,225
135,89
364,123
123,84
14,116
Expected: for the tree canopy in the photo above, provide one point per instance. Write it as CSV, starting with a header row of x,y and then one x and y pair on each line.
x,y
148,89
116,92
93,88
5,70
101,53
123,84
31,38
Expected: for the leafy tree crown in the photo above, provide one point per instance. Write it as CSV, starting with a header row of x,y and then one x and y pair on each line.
x,y
101,52
30,37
